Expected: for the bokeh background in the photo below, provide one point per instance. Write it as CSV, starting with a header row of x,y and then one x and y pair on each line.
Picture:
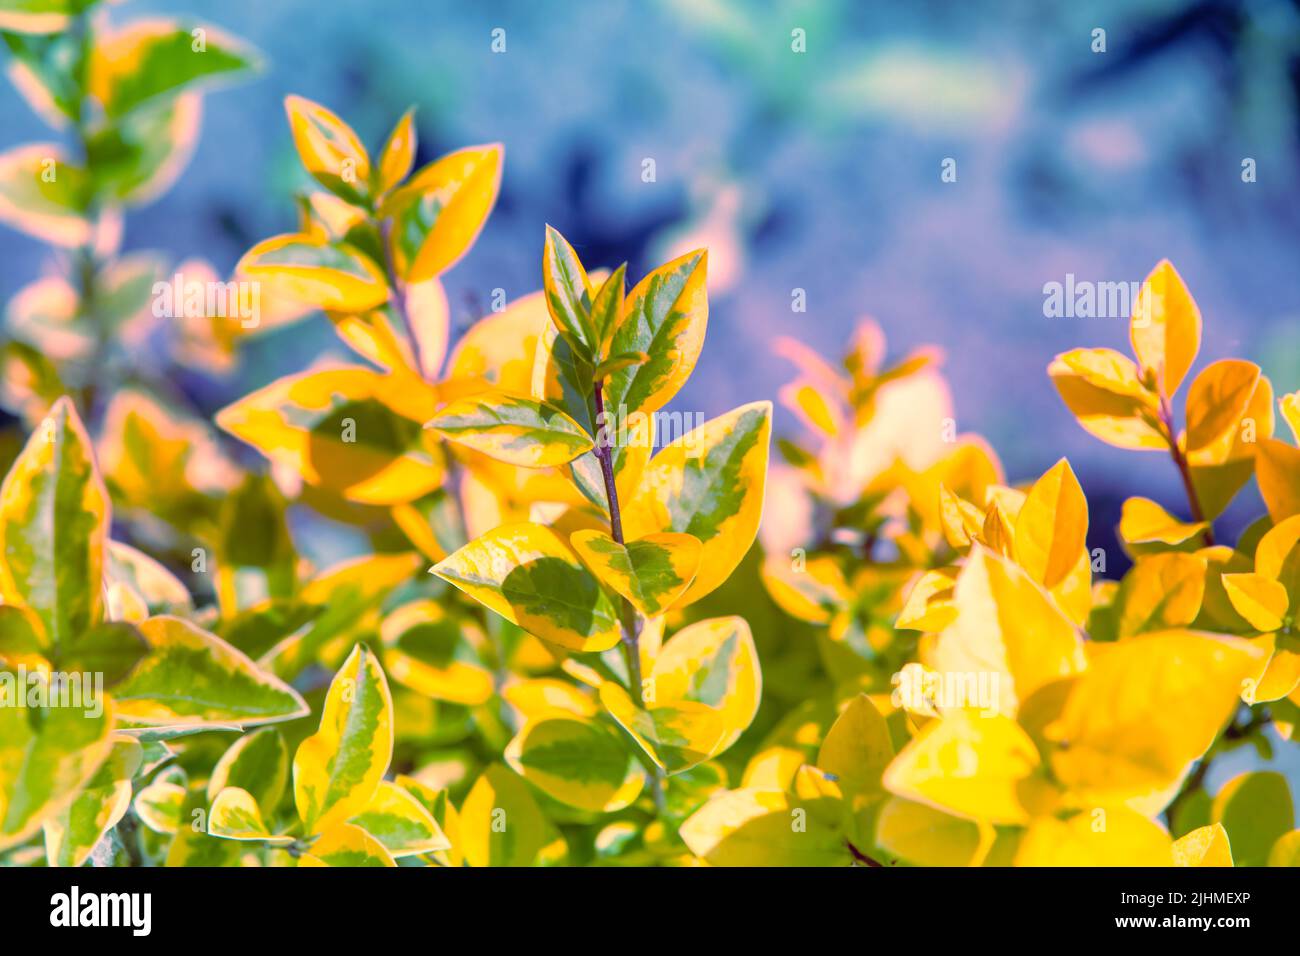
x,y
817,170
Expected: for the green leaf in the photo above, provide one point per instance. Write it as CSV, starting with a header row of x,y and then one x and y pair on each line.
x,y
54,518
192,679
141,157
337,770
1256,810
110,649
72,834
664,316
525,573
152,58
512,428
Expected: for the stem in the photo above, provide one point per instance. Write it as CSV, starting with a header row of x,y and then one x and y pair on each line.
x,y
628,617
1184,471
860,857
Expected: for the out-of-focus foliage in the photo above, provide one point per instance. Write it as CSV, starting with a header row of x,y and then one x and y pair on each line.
x,y
561,643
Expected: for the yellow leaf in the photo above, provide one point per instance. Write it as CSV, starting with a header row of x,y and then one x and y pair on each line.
x,y
234,815
1101,387
1052,527
1142,521
757,828
1161,591
1290,406
959,519
582,763
1145,708
924,836
966,764
398,154
1165,327
1204,846
1109,836
1259,599
930,605
1277,557
428,650
1217,400
502,825
1006,626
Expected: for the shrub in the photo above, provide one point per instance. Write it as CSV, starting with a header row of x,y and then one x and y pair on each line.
x,y
536,658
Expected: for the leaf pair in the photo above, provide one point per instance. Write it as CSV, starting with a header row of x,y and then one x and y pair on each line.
x,y
350,815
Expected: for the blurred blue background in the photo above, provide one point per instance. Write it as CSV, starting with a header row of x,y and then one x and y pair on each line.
x,y
817,170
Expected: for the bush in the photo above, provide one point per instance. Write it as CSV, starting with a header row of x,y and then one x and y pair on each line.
x,y
538,659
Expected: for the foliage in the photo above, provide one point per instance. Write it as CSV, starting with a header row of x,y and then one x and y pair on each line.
x,y
561,644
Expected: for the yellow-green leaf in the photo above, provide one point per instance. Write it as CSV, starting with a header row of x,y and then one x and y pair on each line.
x,y
72,834
708,483
1256,810
43,194
858,747
569,294
651,572
440,210
45,764
428,650
337,770
582,763
191,678
347,845
350,430
401,822
235,815
257,763
750,827
525,573
315,271
329,149
512,428
54,520
664,316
